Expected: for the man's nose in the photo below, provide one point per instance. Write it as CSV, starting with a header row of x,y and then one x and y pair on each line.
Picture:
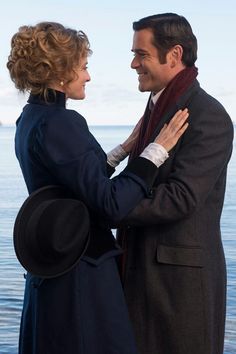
x,y
134,63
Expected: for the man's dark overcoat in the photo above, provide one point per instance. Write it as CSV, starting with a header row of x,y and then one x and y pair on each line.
x,y
175,274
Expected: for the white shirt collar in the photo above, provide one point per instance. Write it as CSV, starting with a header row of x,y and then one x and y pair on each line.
x,y
155,96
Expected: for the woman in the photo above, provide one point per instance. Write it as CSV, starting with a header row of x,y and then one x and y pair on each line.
x,y
82,311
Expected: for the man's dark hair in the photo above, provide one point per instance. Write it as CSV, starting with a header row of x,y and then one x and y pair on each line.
x,y
170,29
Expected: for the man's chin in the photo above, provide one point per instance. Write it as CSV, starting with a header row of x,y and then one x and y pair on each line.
x,y
142,88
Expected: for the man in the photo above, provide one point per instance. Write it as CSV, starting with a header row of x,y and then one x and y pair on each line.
x,y
174,267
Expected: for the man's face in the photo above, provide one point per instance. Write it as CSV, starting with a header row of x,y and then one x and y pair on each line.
x,y
152,75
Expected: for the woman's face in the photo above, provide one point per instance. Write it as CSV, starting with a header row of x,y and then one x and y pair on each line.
x,y
76,88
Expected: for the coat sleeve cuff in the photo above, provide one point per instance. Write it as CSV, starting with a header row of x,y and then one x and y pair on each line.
x,y
145,170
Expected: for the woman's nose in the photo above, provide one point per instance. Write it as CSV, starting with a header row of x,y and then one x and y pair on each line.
x,y
88,77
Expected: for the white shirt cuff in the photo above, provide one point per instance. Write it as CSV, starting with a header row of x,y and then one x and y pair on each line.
x,y
116,155
155,153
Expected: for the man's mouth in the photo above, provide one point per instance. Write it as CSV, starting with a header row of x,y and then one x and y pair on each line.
x,y
141,75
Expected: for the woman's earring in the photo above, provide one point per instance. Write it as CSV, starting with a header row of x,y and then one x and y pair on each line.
x,y
62,83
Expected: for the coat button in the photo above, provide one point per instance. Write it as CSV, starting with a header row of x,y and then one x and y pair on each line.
x,y
151,193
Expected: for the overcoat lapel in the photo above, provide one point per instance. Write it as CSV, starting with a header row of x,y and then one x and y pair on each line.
x,y
183,102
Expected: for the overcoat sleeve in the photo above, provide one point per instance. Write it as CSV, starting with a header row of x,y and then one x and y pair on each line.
x,y
194,169
70,152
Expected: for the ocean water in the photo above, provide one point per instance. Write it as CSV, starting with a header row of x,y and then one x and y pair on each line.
x,y
13,193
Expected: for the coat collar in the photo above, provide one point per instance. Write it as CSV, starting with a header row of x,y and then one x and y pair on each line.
x,y
55,98
183,102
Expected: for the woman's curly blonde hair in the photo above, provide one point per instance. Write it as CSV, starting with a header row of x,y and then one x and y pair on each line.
x,y
45,54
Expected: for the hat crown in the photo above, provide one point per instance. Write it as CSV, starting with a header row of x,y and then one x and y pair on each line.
x,y
51,231
54,226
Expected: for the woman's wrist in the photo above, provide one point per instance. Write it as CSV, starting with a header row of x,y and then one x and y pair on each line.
x,y
116,155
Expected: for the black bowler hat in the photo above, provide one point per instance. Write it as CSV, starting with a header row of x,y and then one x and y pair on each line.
x,y
51,232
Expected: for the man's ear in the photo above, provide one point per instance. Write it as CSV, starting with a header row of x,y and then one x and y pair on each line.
x,y
175,55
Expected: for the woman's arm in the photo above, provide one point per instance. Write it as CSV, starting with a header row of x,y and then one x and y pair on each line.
x,y
72,155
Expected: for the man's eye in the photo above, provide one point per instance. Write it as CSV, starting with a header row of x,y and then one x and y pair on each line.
x,y
140,55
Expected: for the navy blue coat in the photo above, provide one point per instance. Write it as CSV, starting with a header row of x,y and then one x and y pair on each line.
x,y
84,310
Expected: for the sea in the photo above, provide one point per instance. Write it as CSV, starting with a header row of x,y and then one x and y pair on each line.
x,y
13,193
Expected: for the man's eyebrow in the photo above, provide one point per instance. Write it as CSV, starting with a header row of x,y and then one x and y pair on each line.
x,y
139,51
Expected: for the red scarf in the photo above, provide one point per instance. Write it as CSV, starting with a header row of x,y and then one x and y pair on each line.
x,y
176,87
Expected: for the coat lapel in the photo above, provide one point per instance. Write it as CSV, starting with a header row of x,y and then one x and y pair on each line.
x,y
183,102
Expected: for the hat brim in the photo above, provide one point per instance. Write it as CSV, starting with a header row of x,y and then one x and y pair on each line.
x,y
22,251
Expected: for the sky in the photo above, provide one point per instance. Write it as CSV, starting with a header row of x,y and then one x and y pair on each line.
x,y
112,96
